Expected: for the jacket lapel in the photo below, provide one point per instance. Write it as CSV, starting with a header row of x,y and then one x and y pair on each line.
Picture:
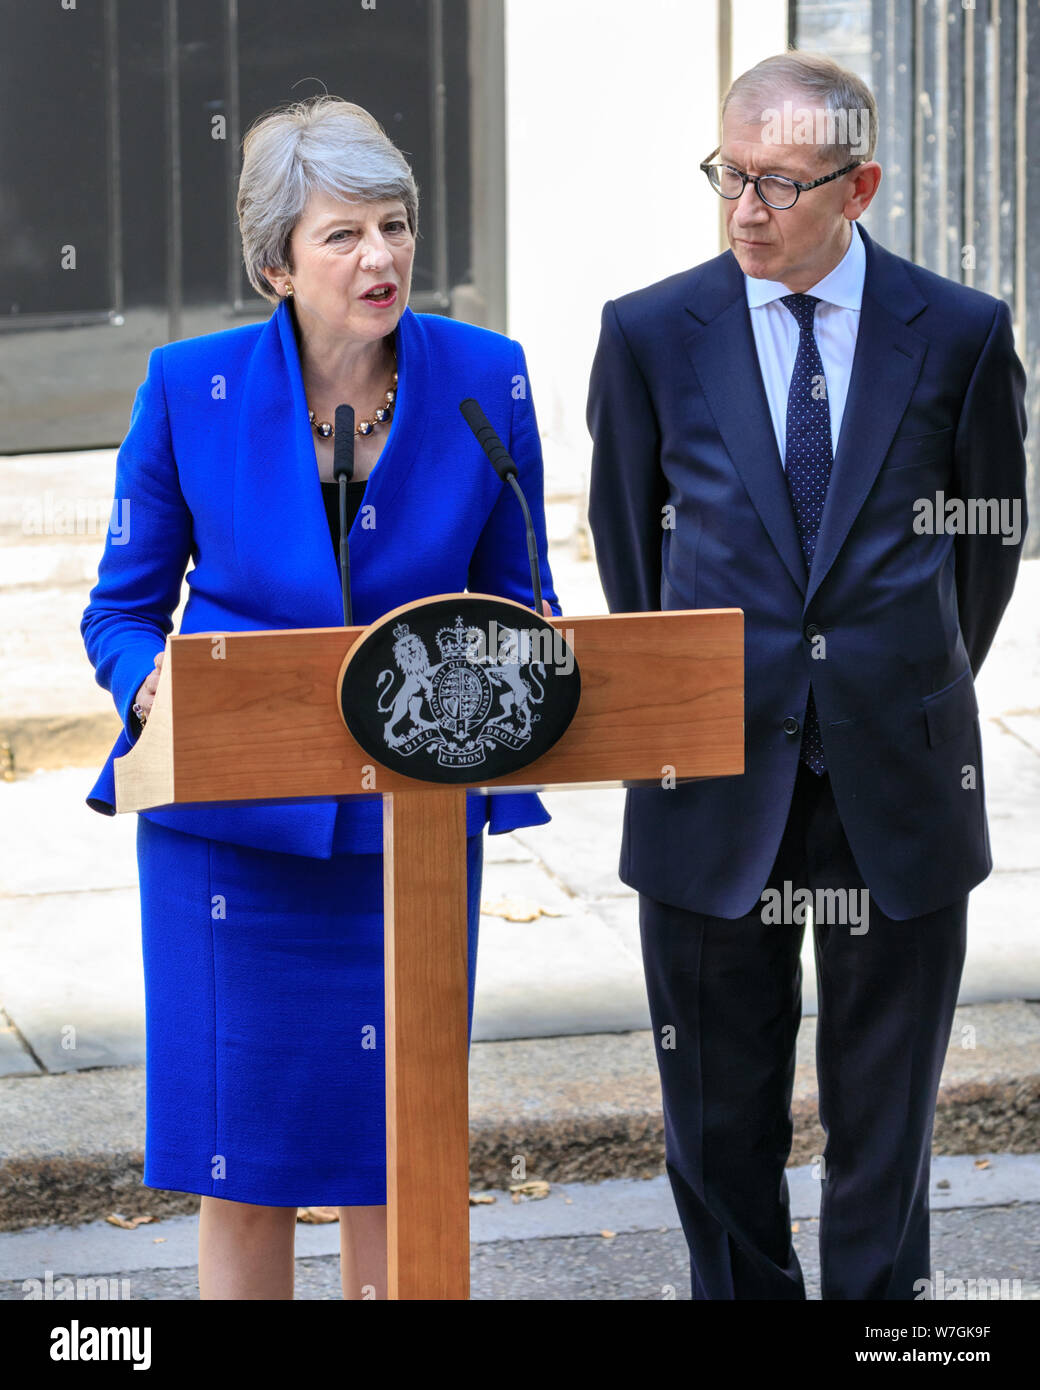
x,y
278,521
885,369
725,359
886,365
277,509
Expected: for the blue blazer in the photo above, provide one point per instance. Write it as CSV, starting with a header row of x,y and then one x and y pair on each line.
x,y
219,467
679,416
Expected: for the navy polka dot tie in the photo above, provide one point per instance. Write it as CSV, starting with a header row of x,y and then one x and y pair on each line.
x,y
807,465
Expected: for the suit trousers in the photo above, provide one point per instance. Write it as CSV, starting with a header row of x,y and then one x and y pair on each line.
x,y
725,1003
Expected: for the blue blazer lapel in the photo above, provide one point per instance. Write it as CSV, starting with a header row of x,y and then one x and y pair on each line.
x,y
278,522
723,353
277,509
885,369
374,557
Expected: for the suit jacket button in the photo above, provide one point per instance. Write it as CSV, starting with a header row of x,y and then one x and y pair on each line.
x,y
790,725
812,631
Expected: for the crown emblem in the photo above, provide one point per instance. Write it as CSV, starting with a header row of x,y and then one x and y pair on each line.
x,y
458,642
453,641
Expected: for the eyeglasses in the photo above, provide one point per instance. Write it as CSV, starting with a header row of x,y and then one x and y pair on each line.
x,y
775,190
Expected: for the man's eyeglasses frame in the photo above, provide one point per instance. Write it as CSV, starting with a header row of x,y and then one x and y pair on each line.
x,y
799,186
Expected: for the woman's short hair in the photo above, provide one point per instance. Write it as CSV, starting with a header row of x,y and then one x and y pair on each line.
x,y
826,85
323,143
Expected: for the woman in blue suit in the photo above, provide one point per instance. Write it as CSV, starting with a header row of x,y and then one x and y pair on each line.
x,y
262,924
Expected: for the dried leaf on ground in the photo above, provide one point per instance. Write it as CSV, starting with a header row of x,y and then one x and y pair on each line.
x,y
608,1235
317,1216
482,1199
982,1163
516,909
533,1191
117,1220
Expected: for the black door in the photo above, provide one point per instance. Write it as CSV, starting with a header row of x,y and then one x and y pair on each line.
x,y
119,168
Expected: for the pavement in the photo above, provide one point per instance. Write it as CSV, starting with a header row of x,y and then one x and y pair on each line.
x,y
617,1240
563,1069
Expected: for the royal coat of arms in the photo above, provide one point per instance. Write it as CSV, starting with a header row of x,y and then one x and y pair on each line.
x,y
477,697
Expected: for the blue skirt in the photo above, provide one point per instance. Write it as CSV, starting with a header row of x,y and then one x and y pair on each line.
x,y
263,974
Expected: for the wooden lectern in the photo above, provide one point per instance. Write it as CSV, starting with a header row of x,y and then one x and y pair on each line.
x,y
662,698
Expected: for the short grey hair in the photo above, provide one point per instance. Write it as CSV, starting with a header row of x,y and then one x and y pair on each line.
x,y
323,143
824,84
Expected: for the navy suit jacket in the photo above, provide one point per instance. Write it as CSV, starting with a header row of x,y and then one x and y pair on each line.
x,y
219,467
679,417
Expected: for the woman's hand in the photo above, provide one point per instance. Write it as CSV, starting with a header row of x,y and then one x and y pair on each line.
x,y
146,695
545,609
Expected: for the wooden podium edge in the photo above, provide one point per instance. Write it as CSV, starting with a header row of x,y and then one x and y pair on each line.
x,y
147,771
150,761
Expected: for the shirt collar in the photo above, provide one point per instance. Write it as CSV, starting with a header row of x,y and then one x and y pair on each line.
x,y
843,286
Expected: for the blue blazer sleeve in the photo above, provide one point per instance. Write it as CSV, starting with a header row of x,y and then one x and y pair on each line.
x,y
131,607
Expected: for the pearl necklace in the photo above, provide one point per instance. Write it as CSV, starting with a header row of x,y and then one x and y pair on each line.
x,y
382,416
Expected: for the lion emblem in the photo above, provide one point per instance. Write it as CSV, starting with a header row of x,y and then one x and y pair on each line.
x,y
413,661
515,690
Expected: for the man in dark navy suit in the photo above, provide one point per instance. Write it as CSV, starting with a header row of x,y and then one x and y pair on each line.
x,y
830,438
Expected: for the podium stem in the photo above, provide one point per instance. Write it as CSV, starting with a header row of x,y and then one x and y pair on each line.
x,y
427,1097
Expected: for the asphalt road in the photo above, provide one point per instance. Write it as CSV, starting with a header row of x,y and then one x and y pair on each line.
x,y
650,1265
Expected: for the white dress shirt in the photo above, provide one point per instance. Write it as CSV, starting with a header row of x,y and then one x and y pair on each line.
x,y
836,324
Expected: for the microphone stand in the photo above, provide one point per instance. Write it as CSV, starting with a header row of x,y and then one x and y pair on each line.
x,y
343,471
506,469
532,545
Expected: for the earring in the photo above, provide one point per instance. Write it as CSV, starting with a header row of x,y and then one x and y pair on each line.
x,y
288,289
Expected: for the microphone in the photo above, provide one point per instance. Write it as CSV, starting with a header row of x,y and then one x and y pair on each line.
x,y
507,471
343,471
343,444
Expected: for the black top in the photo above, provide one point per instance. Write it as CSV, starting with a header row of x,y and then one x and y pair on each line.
x,y
355,497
